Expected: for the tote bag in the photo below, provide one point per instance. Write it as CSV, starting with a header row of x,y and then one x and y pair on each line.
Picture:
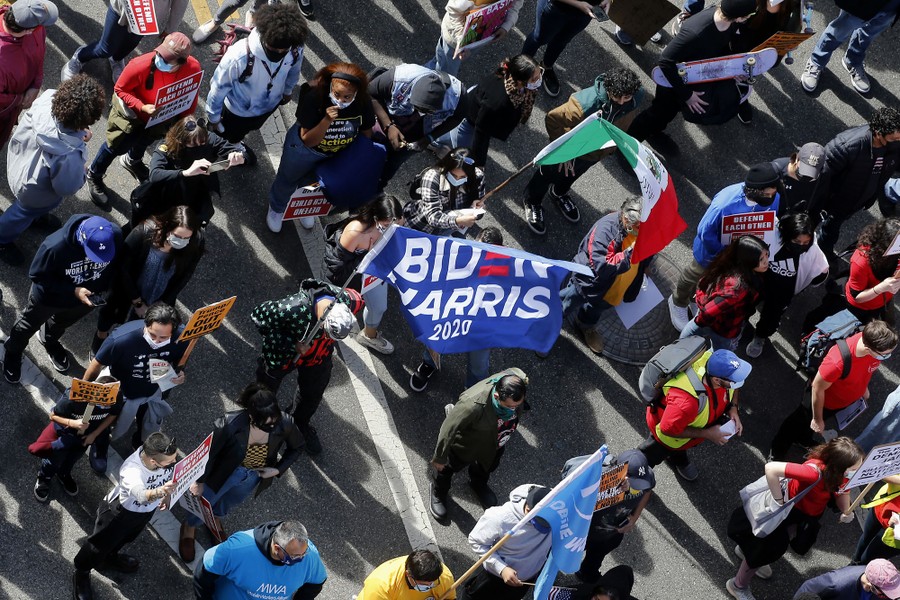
x,y
763,512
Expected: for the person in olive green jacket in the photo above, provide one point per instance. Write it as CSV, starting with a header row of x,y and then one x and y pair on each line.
x,y
474,435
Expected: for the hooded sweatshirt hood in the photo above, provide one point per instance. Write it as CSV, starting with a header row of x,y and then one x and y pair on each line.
x,y
262,535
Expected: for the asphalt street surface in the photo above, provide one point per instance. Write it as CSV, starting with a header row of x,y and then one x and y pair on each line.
x,y
679,548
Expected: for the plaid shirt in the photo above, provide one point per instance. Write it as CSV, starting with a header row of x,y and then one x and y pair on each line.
x,y
727,306
431,214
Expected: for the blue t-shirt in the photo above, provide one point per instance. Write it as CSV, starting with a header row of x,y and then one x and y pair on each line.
x,y
128,356
245,573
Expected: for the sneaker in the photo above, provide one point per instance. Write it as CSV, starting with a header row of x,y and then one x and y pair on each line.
x,y
69,484
418,381
98,463
679,20
73,67
745,113
623,37
137,169
306,9
42,489
755,347
593,339
11,254
116,66
764,572
438,505
534,216
656,37
858,78
688,472
810,78
739,593
250,19
551,82
98,190
678,314
307,223
273,221
58,355
311,438
12,369
202,33
378,343
448,408
565,205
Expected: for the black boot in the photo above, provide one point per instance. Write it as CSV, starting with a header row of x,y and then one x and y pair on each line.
x,y
81,586
438,506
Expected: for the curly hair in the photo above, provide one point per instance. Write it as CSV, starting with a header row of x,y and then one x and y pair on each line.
x,y
79,102
178,137
885,120
621,82
281,25
876,237
838,455
345,72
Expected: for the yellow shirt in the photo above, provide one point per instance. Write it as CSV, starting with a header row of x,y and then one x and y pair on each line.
x,y
389,582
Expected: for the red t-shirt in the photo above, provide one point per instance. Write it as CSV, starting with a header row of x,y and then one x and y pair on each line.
x,y
801,477
681,409
131,86
844,392
862,278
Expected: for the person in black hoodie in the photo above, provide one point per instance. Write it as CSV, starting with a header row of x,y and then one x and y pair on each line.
x,y
276,556
72,267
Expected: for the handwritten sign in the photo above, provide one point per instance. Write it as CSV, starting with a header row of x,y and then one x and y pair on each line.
x,y
206,319
175,98
760,224
783,42
103,394
307,201
610,494
883,461
141,15
482,24
200,506
190,468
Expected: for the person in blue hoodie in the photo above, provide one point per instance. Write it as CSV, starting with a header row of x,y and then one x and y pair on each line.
x,y
47,154
275,560
748,208
73,266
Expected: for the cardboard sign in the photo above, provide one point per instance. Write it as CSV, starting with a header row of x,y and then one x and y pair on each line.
x,y
307,201
200,506
883,461
640,19
206,319
141,15
784,41
369,282
609,494
93,392
190,468
760,224
482,24
175,98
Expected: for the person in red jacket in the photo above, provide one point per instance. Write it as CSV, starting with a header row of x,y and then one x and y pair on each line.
x,y
133,104
873,279
22,46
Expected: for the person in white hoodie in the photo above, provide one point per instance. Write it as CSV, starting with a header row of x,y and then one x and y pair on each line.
x,y
47,154
520,559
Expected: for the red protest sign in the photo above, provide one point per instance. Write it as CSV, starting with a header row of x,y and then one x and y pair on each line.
x,y
141,15
307,202
201,507
175,98
190,468
760,224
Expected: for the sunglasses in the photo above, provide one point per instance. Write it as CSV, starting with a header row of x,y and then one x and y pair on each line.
x,y
172,447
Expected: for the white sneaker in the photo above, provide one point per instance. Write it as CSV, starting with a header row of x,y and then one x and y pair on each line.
x,y
448,408
810,78
755,347
117,67
678,314
378,343
307,222
858,78
73,67
656,37
202,33
764,572
739,593
273,220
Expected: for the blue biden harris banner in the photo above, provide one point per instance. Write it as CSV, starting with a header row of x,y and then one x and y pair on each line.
x,y
459,295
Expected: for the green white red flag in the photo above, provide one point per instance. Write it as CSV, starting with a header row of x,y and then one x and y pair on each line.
x,y
660,221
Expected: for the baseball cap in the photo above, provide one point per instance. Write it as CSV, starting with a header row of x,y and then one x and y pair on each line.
x,y
338,322
762,175
428,93
98,239
726,365
175,46
34,13
811,158
640,473
883,575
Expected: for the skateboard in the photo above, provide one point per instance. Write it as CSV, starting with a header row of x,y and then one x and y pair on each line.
x,y
747,64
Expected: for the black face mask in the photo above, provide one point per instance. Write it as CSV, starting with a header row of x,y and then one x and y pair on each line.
x,y
759,198
275,56
797,249
266,427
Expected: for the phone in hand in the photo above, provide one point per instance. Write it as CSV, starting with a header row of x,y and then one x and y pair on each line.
x,y
217,166
96,300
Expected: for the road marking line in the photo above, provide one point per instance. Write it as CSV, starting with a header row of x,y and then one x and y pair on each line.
x,y
201,10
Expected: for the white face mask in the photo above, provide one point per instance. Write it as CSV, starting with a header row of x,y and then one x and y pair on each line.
x,y
338,103
456,182
850,473
536,85
178,243
155,345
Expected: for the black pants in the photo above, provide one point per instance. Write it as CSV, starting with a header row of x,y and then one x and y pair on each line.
x,y
487,586
548,175
57,320
61,460
656,453
654,119
599,544
237,128
778,298
311,384
795,429
478,475
114,527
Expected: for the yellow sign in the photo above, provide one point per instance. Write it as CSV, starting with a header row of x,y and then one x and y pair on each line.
x,y
103,394
783,42
206,319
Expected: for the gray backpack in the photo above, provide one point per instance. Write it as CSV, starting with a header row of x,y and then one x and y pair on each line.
x,y
671,360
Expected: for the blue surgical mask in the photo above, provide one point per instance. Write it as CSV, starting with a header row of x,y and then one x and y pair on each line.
x,y
420,587
163,65
536,85
456,182
178,243
882,357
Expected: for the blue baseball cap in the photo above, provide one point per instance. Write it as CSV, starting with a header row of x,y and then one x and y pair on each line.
x,y
726,365
98,238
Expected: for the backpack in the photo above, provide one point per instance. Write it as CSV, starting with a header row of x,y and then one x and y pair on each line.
x,y
815,345
671,360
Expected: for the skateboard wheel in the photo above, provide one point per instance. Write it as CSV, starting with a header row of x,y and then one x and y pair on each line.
x,y
682,72
751,61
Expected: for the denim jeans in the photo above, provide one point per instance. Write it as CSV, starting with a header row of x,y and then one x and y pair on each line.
x,y
861,34
460,136
443,58
235,490
884,426
376,305
18,218
297,167
718,342
555,27
115,42
585,310
477,367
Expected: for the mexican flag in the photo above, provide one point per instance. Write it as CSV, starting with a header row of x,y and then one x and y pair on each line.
x,y
660,221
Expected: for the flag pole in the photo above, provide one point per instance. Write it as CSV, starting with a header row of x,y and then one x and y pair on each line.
x,y
506,182
474,567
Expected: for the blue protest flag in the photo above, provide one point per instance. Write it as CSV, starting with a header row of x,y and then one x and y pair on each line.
x,y
460,295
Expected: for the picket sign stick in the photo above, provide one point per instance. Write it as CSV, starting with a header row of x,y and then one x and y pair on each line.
x,y
506,182
474,567
860,498
187,352
86,417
